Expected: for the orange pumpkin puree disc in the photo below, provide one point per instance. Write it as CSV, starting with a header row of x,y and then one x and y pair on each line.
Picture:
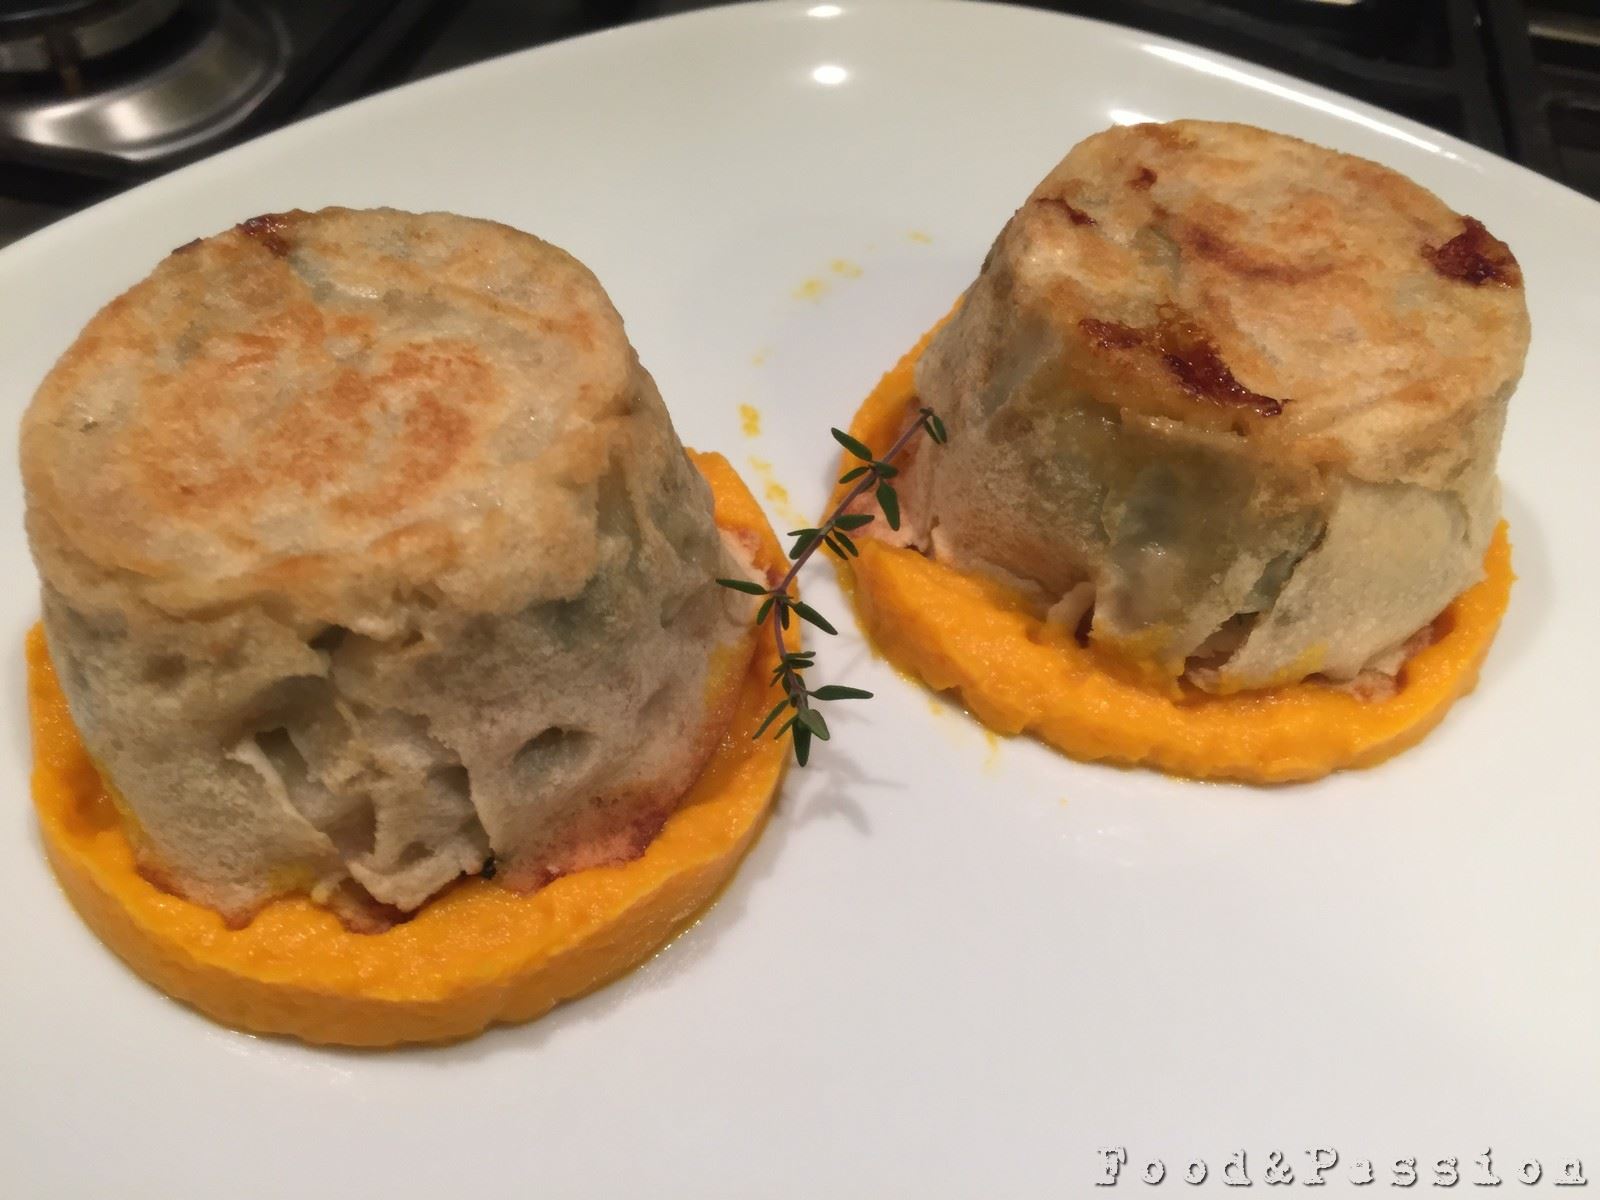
x,y
1017,674
475,955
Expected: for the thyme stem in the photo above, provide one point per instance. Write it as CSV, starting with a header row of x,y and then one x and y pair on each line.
x,y
861,487
806,722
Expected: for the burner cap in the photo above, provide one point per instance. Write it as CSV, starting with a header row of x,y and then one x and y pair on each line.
x,y
57,35
185,85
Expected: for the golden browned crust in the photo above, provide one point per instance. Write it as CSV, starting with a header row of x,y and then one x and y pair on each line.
x,y
368,552
305,387
1242,393
1324,306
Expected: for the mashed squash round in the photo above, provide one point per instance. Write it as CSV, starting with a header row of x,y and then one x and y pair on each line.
x,y
476,955
1018,674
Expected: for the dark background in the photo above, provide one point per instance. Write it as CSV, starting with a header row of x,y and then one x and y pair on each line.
x,y
1517,77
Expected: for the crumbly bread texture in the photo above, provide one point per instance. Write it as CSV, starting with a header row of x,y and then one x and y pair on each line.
x,y
368,551
1238,394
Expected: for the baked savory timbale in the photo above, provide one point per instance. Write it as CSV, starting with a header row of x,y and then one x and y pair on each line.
x,y
1229,403
369,557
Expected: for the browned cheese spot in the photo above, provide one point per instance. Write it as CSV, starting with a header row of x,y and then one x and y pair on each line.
x,y
1199,369
1076,215
268,229
1189,354
1475,256
1110,335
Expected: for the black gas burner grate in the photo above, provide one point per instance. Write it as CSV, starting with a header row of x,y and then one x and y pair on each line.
x,y
1554,83
1424,59
1522,80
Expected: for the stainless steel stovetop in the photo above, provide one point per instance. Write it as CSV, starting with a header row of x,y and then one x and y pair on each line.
x,y
96,95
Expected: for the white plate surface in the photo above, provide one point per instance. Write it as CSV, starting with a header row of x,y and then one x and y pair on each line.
x,y
950,967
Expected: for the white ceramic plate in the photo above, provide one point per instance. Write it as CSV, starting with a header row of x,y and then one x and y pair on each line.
x,y
950,968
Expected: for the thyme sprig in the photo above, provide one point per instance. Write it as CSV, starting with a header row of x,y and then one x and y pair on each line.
x,y
780,606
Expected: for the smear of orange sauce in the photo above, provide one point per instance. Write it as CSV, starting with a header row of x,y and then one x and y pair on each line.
x,y
476,955
972,635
